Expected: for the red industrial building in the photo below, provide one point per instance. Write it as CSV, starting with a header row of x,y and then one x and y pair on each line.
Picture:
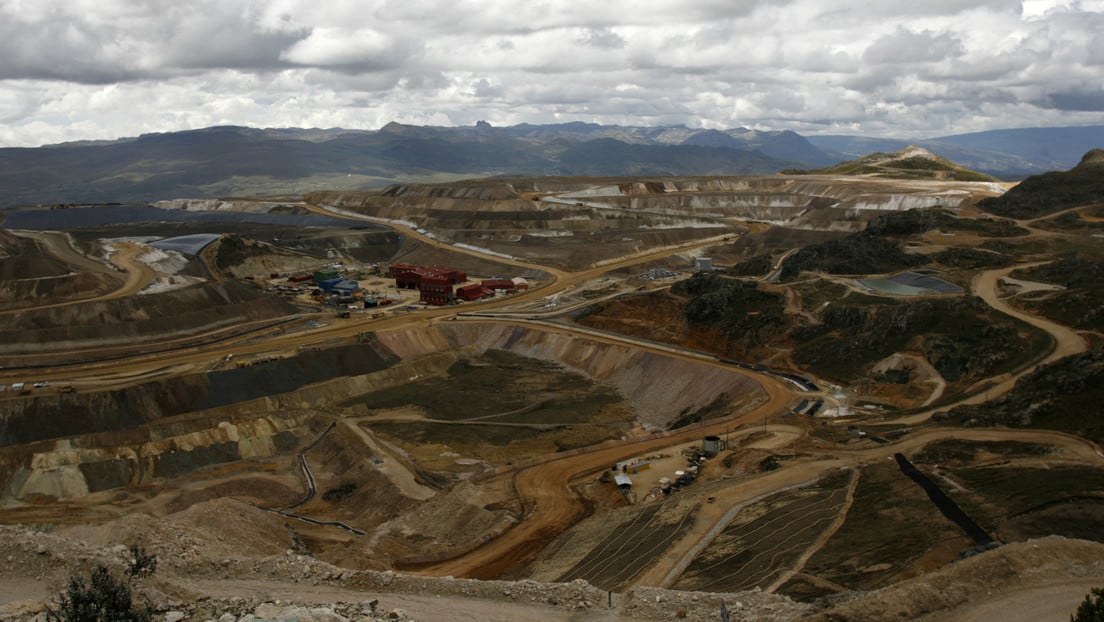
x,y
498,284
436,290
472,292
410,276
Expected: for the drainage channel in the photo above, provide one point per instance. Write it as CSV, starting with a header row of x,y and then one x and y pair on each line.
x,y
948,507
311,491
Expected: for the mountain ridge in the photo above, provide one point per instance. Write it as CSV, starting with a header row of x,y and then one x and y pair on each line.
x,y
233,160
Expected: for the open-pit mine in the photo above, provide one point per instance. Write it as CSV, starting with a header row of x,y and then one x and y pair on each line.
x,y
782,397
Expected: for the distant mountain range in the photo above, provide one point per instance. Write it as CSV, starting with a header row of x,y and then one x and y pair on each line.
x,y
236,161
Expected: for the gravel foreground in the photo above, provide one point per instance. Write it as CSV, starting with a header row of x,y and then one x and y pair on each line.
x,y
294,587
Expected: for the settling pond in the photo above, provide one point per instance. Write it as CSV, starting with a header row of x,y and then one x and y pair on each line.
x,y
910,284
105,215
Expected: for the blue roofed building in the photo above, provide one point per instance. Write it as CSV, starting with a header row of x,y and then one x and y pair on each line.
x,y
344,287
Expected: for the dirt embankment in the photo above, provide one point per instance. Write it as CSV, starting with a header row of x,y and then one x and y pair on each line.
x,y
22,258
235,557
660,388
32,272
140,318
81,465
990,577
61,415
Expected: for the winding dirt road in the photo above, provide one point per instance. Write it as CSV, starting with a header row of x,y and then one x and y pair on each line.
x,y
138,275
550,507
1067,342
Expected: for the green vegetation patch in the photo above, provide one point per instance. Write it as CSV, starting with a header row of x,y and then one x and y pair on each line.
x,y
963,338
233,250
1082,220
337,493
921,220
870,252
1065,396
972,259
756,266
858,253
745,314
816,292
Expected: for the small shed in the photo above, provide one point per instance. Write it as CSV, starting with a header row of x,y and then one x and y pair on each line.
x,y
623,481
498,284
712,445
633,465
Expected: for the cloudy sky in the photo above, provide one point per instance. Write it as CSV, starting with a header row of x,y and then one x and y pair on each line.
x,y
95,69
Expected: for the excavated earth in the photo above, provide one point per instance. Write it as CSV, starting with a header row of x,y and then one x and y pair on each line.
x,y
571,224
160,446
31,271
277,489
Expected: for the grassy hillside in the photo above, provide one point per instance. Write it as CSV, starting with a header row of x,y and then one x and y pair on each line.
x,y
859,253
1053,192
1065,395
962,338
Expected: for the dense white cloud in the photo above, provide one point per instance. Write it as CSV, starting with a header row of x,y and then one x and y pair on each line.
x,y
88,69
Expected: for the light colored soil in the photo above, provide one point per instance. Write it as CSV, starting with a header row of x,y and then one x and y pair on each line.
x,y
1051,603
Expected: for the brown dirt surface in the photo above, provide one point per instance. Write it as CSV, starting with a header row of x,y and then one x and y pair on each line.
x,y
550,507
42,269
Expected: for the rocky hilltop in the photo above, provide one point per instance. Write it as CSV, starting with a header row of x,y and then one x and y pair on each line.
x,y
912,162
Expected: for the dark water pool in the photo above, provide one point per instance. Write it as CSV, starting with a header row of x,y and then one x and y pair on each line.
x,y
104,215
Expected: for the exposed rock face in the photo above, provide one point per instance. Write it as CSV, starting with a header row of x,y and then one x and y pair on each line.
x,y
481,192
148,318
75,467
255,407
59,415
